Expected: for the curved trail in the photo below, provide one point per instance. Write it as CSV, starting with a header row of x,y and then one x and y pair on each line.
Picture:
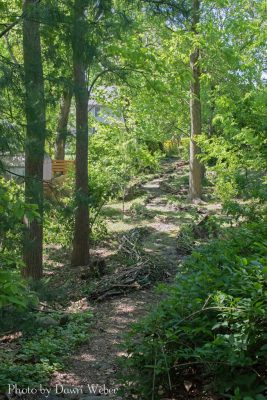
x,y
95,363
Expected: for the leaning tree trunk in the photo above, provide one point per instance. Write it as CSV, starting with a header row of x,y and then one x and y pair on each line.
x,y
62,126
196,172
80,254
35,139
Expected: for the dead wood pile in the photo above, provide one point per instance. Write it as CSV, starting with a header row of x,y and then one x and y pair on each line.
x,y
138,268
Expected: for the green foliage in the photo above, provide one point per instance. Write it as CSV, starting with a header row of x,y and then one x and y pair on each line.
x,y
212,321
58,224
185,240
194,234
13,290
60,210
43,351
116,156
98,230
13,211
214,313
235,167
251,211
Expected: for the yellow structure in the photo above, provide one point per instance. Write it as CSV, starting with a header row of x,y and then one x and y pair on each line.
x,y
62,166
171,146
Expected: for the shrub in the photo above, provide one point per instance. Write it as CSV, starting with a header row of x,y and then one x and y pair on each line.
x,y
13,290
210,328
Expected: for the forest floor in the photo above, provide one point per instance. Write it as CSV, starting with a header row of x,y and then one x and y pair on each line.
x,y
157,208
138,251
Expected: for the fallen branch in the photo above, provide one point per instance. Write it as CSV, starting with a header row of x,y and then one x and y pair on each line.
x,y
145,270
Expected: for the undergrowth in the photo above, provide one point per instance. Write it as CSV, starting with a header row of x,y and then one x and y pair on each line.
x,y
43,348
208,335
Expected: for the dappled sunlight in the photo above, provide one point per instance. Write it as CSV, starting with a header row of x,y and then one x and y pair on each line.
x,y
142,240
86,357
132,199
96,361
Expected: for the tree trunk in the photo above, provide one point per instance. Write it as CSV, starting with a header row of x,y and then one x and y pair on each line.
x,y
35,138
195,173
80,254
62,126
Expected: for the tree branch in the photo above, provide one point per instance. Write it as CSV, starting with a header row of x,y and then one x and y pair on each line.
x,y
95,80
11,26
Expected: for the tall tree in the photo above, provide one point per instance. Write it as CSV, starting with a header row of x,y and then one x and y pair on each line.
x,y
80,253
195,171
35,138
179,15
62,126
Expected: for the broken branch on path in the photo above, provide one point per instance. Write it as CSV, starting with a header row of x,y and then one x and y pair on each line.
x,y
144,271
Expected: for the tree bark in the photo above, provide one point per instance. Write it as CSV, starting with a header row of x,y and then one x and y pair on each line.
x,y
80,253
62,126
196,172
35,138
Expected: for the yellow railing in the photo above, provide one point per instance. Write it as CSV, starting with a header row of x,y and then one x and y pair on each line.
x,y
62,166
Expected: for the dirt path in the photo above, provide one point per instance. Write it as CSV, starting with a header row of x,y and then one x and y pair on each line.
x,y
96,361
160,207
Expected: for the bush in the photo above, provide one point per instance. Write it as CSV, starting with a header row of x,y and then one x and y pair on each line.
x,y
236,164
58,225
210,329
13,290
251,211
12,211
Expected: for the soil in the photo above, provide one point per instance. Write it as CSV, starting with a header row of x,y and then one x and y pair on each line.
x,y
158,209
96,361
163,210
